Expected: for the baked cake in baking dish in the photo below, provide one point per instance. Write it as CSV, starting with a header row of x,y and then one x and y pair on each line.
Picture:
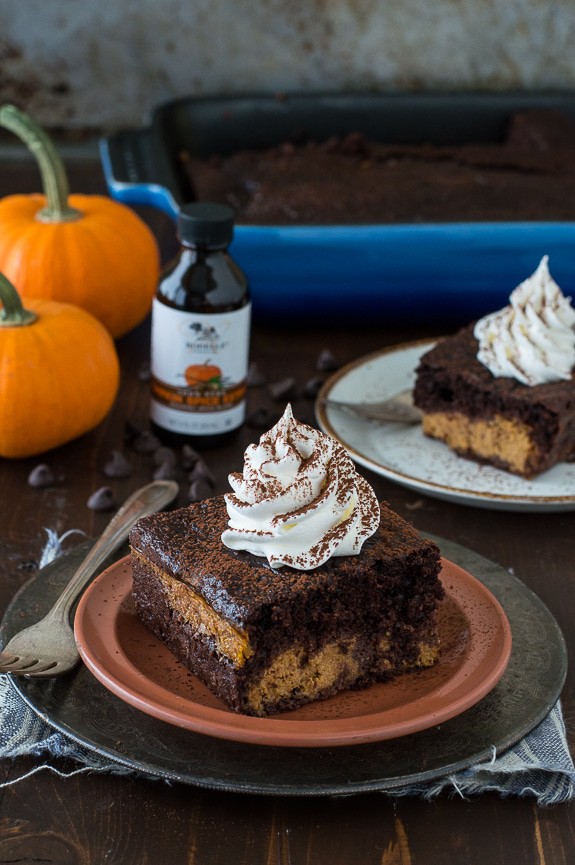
x,y
503,391
295,586
351,179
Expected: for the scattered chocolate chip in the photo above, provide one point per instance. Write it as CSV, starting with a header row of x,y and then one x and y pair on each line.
x,y
283,390
144,371
255,378
102,500
146,442
201,472
189,457
165,472
326,361
165,455
131,431
117,466
41,476
260,418
312,387
199,490
415,506
27,565
309,421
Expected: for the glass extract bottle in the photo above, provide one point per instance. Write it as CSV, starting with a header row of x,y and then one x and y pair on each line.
x,y
200,334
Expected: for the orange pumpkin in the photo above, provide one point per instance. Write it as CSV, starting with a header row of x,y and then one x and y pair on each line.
x,y
59,373
82,249
203,374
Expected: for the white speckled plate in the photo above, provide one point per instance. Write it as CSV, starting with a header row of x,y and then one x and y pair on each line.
x,y
403,454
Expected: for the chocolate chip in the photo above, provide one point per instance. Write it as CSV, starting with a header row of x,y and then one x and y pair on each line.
x,y
416,505
102,500
312,387
199,490
201,472
41,476
117,466
131,431
255,378
146,442
326,361
189,457
27,565
165,472
165,455
283,390
309,421
144,373
260,418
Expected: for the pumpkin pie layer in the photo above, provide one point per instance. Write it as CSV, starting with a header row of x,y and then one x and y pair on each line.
x,y
522,429
267,640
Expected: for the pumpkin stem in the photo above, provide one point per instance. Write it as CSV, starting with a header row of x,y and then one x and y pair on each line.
x,y
54,179
13,314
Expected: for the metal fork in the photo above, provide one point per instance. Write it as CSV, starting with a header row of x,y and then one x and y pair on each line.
x,y
47,648
396,409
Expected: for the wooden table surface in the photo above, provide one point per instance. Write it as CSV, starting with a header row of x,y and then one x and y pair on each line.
x,y
97,818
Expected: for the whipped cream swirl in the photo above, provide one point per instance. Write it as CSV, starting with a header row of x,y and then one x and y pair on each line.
x,y
532,339
299,500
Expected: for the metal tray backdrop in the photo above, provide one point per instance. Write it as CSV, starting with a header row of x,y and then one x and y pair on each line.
x,y
83,709
451,272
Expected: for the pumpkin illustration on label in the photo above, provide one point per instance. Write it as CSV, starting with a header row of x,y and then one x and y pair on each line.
x,y
204,376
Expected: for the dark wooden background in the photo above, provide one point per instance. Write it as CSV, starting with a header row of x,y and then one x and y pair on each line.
x,y
94,818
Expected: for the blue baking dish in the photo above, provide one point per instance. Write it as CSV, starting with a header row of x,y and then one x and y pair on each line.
x,y
417,273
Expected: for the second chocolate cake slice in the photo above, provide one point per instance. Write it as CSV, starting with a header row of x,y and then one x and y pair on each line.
x,y
503,391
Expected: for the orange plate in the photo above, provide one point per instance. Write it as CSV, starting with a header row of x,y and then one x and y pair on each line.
x,y
133,664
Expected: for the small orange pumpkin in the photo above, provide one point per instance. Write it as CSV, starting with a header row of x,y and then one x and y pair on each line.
x,y
203,374
82,249
59,373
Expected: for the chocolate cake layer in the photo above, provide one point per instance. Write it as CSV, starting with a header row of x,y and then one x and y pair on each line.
x,y
499,421
355,180
266,640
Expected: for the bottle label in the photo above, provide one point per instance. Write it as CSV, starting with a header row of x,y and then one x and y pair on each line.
x,y
199,365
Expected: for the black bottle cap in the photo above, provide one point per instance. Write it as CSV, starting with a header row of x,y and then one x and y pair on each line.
x,y
206,223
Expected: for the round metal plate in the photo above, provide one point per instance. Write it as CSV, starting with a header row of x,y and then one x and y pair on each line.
x,y
83,709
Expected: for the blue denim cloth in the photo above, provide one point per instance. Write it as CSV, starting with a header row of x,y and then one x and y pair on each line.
x,y
540,765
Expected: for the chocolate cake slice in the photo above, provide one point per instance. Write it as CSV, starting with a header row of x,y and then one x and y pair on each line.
x,y
500,421
266,640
